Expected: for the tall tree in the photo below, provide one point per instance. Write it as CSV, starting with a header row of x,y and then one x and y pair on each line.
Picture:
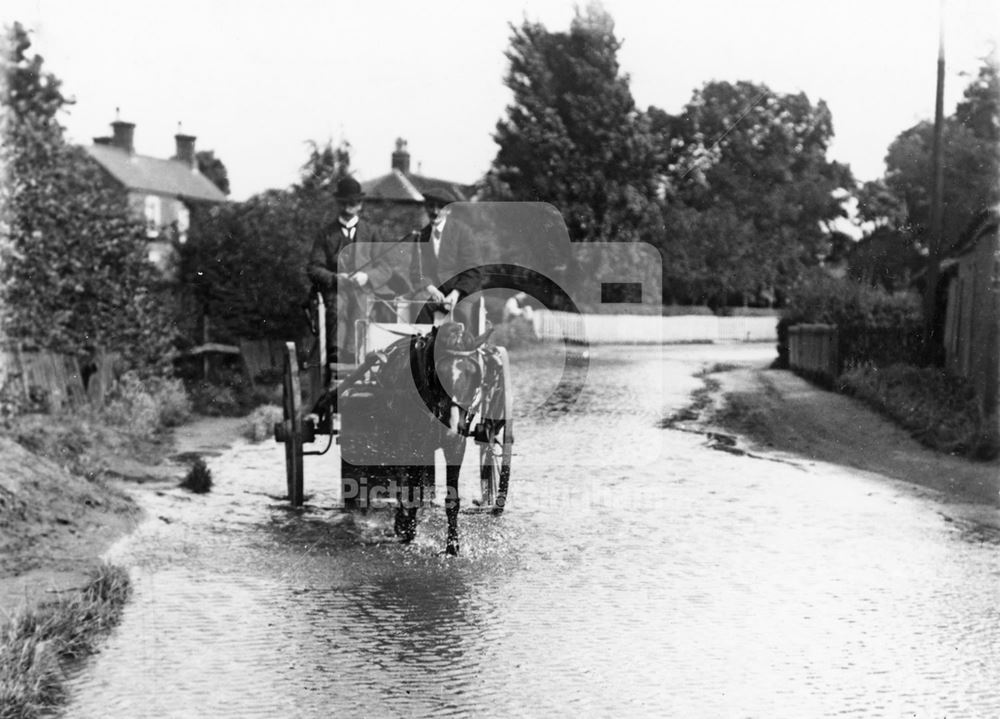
x,y
979,109
753,162
971,161
970,177
73,272
572,135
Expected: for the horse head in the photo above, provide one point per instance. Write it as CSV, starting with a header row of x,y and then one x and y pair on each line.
x,y
458,374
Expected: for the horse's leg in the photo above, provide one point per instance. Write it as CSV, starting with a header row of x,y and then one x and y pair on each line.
x,y
405,525
454,451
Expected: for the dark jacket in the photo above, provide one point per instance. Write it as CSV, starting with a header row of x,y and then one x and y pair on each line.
x,y
328,256
457,263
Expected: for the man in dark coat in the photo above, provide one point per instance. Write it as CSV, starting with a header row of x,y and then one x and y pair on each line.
x,y
445,260
344,265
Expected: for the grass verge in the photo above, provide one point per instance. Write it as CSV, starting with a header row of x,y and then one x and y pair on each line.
x,y
38,645
939,409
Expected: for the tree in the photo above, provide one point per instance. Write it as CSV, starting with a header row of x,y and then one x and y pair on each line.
x,y
572,135
244,264
971,170
213,168
74,273
979,109
752,164
244,267
971,162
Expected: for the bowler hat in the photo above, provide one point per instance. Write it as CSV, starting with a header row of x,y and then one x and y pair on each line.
x,y
348,189
439,195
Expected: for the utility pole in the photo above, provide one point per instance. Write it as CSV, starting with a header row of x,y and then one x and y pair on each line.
x,y
935,239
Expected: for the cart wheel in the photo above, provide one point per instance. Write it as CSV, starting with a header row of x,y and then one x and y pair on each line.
x,y
293,426
495,452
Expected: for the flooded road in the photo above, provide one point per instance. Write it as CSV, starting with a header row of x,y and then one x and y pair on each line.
x,y
637,572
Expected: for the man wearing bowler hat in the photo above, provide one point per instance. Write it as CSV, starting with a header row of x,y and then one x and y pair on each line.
x,y
445,262
344,265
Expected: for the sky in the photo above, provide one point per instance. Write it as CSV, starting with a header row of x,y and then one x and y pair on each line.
x,y
257,80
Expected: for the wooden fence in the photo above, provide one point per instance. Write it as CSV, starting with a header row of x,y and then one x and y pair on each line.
x,y
813,351
56,381
651,329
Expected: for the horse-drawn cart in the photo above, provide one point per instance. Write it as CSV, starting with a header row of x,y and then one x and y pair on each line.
x,y
413,391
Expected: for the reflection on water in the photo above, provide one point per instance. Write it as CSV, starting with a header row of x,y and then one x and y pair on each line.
x,y
636,572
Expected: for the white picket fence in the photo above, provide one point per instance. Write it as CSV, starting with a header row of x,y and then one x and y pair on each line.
x,y
652,329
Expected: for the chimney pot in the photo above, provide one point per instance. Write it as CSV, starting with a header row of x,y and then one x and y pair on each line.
x,y
401,157
124,136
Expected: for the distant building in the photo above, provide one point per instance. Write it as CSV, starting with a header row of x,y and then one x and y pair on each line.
x,y
160,191
403,187
394,202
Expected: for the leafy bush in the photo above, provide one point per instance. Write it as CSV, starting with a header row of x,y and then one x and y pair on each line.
x,y
147,406
938,408
228,393
199,478
875,326
821,298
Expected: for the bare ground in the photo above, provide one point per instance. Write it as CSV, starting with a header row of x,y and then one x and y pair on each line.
x,y
65,496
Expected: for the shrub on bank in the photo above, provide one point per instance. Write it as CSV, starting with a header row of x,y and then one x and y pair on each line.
x,y
939,409
35,645
146,406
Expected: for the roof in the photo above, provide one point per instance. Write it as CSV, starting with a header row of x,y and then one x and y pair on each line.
x,y
399,186
163,177
984,222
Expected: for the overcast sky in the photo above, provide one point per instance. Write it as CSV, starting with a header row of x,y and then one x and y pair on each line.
x,y
255,80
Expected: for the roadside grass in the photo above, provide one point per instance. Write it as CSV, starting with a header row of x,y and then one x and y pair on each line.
x,y
940,410
38,645
742,413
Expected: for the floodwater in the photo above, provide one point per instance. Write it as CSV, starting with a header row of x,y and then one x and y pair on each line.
x,y
636,572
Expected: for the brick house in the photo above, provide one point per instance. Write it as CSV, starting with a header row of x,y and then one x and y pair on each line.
x,y
160,191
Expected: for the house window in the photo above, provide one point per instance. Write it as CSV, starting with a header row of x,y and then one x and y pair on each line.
x,y
154,215
183,220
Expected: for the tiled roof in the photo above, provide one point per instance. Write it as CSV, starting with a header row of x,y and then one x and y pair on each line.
x,y
394,186
164,177
408,187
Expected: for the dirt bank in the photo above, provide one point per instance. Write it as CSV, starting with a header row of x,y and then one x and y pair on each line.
x,y
66,490
777,412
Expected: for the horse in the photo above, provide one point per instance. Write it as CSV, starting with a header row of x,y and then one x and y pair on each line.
x,y
446,374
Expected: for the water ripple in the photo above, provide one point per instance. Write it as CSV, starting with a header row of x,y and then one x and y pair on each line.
x,y
636,573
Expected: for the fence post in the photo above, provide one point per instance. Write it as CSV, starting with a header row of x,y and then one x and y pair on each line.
x,y
834,353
